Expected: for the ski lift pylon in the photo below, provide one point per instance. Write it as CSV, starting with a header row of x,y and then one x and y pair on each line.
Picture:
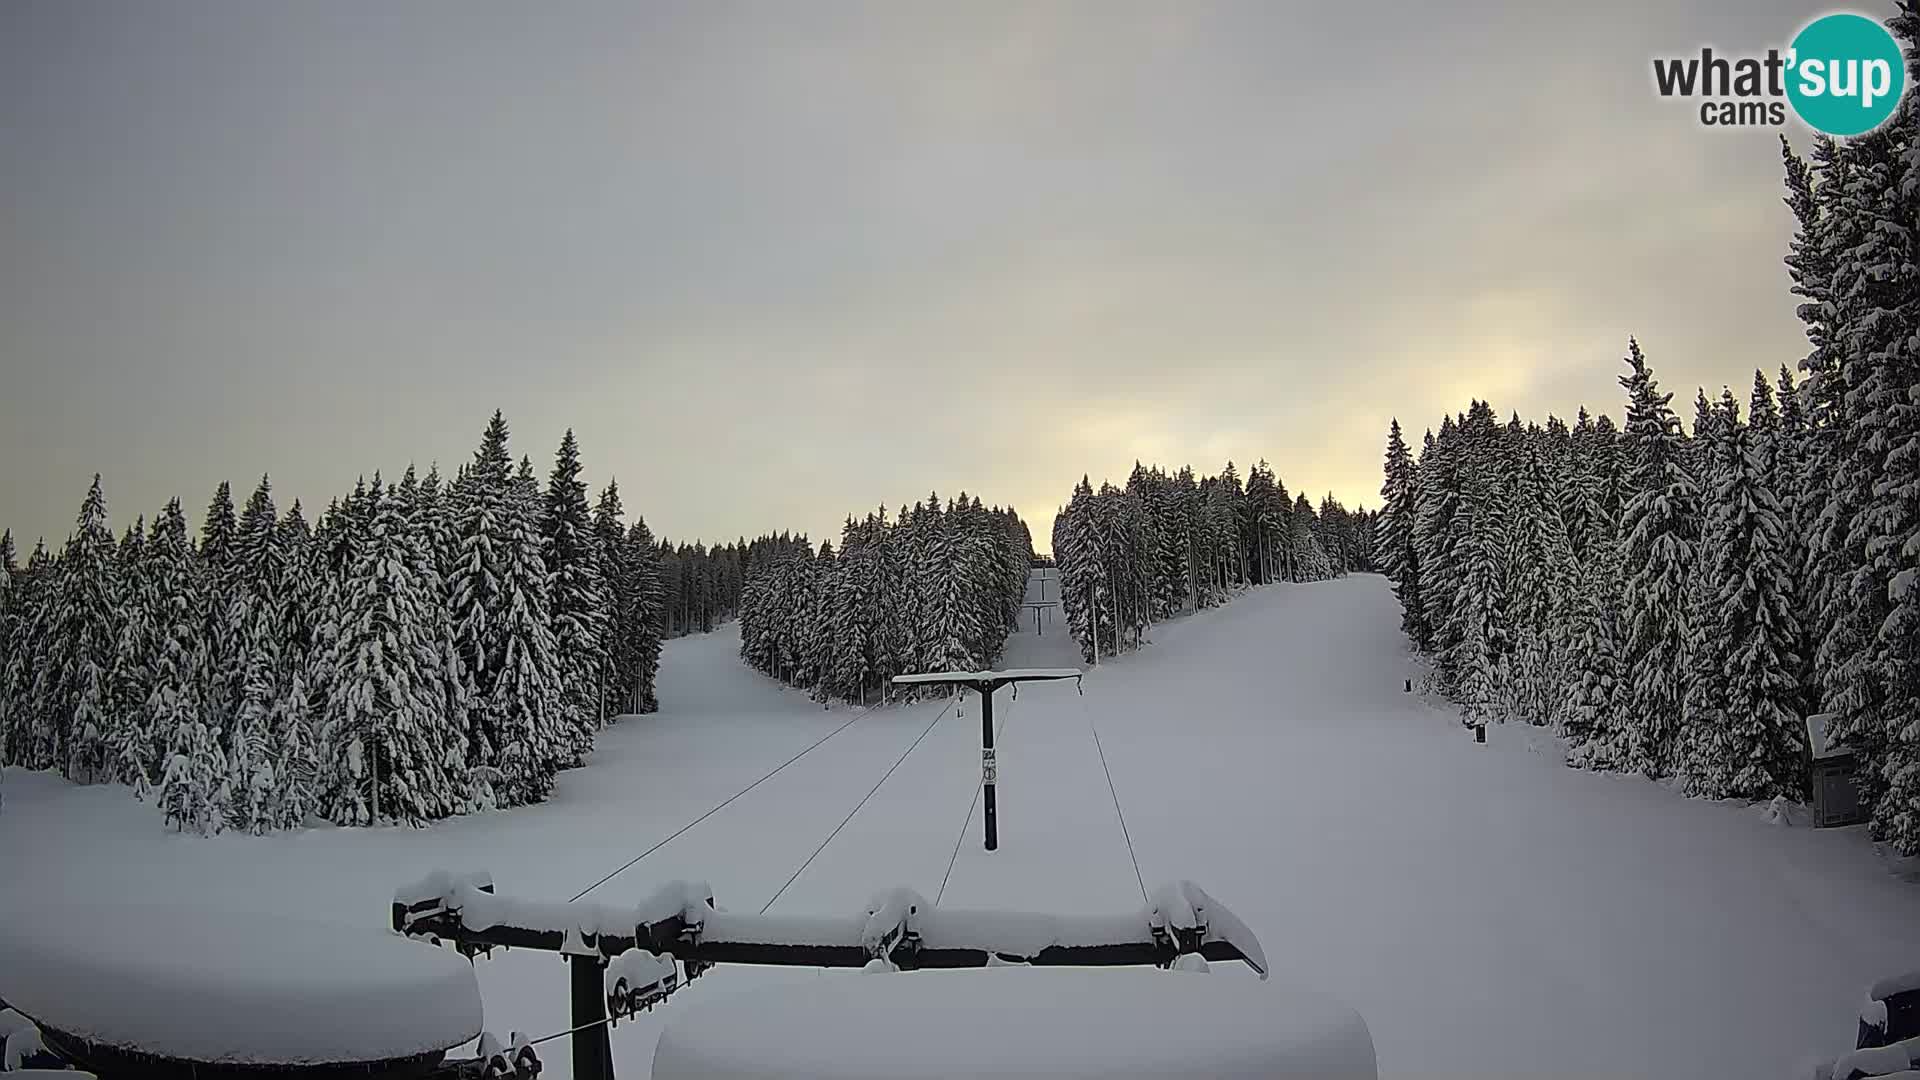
x,y
985,683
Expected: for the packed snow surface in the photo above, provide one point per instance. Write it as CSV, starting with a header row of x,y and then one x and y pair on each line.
x,y
1489,912
234,987
1015,1024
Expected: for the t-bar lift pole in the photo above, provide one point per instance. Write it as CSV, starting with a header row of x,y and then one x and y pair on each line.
x,y
985,683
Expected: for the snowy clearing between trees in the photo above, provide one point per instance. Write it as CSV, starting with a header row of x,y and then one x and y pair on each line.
x,y
1486,910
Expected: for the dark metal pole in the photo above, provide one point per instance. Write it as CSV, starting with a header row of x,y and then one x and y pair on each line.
x,y
988,766
592,1049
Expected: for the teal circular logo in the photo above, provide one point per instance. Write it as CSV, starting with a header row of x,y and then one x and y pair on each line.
x,y
1845,74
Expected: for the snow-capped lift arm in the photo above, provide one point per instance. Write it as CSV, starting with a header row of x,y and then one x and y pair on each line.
x,y
898,929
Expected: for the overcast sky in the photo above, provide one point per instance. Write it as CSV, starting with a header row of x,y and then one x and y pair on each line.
x,y
776,262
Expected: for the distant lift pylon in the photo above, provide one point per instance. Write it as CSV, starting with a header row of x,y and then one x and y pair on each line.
x,y
986,682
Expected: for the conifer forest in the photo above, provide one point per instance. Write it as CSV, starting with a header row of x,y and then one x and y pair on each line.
x,y
1678,602
425,647
1169,545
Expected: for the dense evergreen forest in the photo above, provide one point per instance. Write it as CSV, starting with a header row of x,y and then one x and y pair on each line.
x,y
935,589
1678,603
1169,544
424,648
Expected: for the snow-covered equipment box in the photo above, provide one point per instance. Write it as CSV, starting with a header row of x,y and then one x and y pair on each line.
x,y
1888,1042
136,990
1836,795
1892,1012
1018,1024
622,959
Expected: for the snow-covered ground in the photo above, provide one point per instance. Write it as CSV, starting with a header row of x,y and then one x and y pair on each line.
x,y
1488,911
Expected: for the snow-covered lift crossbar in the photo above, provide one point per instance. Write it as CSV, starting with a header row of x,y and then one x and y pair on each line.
x,y
986,682
898,928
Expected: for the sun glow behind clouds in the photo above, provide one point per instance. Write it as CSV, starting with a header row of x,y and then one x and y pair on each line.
x,y
779,264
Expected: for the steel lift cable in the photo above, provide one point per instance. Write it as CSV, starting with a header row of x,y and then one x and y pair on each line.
x,y
1111,790
863,802
723,804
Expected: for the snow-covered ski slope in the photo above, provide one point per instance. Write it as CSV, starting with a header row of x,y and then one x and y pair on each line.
x,y
1490,912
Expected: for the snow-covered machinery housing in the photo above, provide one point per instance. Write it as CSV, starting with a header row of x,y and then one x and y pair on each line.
x,y
135,991
623,959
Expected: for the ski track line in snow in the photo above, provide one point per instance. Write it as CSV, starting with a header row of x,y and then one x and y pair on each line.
x,y
863,802
723,805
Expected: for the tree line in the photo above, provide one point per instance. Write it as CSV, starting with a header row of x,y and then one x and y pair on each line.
x,y
424,649
1677,603
935,589
1165,545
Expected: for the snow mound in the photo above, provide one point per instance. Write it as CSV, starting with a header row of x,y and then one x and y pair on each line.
x,y
234,988
1784,811
1014,1023
1895,984
19,1041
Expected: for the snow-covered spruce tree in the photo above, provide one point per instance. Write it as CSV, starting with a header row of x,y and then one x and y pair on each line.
x,y
255,626
617,598
251,750
131,745
1394,548
528,701
221,654
1082,576
852,614
1761,745
1166,573
1478,632
193,791
177,747
1789,481
9,609
1873,501
30,734
1538,564
483,507
1896,504
1189,506
424,506
1582,494
1659,528
1437,503
73,688
295,754
337,538
577,601
1161,571
1306,525
821,643
1698,756
1838,476
1595,721
649,614
1699,452
392,755
1257,521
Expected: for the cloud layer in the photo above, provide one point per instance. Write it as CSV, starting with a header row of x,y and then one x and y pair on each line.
x,y
779,262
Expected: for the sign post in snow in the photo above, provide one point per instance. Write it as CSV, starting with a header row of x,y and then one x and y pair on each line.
x,y
986,682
